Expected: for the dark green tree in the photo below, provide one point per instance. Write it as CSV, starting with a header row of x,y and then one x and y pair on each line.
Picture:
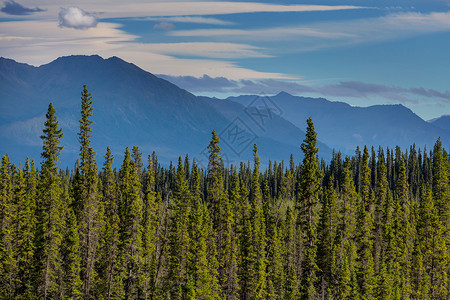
x,y
130,227
71,258
50,218
109,283
179,239
149,228
308,200
8,263
88,214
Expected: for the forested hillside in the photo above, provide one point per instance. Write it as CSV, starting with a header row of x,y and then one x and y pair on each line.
x,y
372,226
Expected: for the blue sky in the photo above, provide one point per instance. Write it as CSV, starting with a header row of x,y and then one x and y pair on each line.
x,y
360,52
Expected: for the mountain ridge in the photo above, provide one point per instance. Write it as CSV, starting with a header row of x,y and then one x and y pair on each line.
x,y
131,107
135,107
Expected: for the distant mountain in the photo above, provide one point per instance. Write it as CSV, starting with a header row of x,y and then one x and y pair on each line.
x,y
441,122
134,107
345,127
131,107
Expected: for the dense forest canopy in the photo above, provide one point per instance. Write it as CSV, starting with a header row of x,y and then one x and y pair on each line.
x,y
372,226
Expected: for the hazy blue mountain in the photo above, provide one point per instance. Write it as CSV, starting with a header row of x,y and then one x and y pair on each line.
x,y
344,127
441,122
131,107
267,124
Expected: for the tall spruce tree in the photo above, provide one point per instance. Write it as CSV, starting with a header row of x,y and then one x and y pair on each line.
x,y
50,218
258,261
308,200
149,225
109,283
71,259
8,263
403,234
88,214
26,223
433,248
327,233
344,245
441,189
364,237
179,239
130,228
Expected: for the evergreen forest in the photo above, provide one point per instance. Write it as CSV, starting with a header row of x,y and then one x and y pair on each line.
x,y
375,225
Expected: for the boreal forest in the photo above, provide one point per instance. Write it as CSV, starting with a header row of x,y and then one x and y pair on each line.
x,y
375,225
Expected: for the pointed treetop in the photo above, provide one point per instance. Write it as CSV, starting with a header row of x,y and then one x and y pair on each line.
x,y
51,137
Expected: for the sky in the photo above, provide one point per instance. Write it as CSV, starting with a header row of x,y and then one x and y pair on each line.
x,y
361,52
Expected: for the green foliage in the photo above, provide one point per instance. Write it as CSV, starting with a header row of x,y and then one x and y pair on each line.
x,y
308,200
50,214
71,259
363,227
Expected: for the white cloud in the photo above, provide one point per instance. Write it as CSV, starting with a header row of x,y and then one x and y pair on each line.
x,y
74,17
39,42
164,26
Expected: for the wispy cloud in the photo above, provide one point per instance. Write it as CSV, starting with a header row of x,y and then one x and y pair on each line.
x,y
164,26
207,49
199,8
74,17
190,19
38,42
357,89
263,34
346,89
338,33
13,8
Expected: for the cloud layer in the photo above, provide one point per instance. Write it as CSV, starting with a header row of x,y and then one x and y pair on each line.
x,y
345,89
13,8
74,17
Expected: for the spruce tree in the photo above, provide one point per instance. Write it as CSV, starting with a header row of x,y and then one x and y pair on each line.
x,y
433,248
50,218
403,235
179,239
109,283
364,238
26,223
441,190
257,255
8,263
327,233
130,227
308,200
344,245
71,254
88,218
291,285
149,226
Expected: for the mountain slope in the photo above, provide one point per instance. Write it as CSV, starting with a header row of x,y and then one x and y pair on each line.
x,y
441,122
344,127
131,107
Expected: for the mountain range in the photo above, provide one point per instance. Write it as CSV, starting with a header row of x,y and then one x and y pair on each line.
x,y
134,107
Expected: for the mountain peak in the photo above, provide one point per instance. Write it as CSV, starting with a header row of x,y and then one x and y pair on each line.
x,y
283,94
